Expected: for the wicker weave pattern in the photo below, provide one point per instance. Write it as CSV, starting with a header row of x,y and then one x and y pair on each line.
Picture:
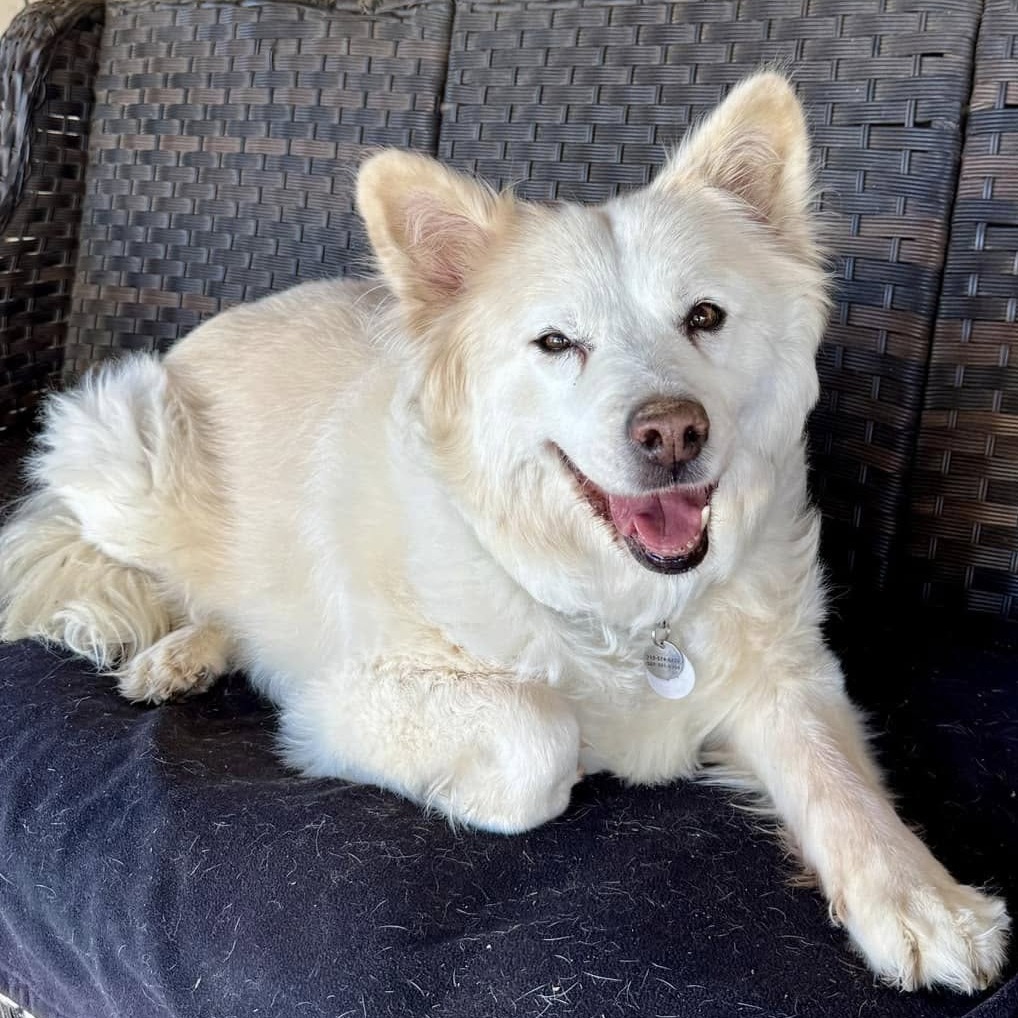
x,y
50,54
965,536
224,146
580,100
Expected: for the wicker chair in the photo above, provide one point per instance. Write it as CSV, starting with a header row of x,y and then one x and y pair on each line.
x,y
164,160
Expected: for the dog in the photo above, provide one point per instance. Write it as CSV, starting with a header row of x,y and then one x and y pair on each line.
x,y
530,504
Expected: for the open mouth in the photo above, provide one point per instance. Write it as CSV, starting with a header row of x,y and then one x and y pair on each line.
x,y
666,531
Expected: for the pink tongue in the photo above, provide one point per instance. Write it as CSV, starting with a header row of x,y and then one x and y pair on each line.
x,y
664,523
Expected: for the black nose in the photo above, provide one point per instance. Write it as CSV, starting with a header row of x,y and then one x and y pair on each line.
x,y
669,431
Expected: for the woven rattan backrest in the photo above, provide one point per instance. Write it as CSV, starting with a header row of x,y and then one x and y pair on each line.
x,y
225,138
965,526
224,144
580,99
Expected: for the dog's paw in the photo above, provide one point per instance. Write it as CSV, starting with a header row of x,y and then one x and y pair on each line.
x,y
928,933
186,662
516,776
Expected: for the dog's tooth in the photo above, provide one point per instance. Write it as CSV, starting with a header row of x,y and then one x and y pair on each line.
x,y
704,516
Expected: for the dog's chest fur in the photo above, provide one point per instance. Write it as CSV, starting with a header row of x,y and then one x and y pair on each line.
x,y
484,612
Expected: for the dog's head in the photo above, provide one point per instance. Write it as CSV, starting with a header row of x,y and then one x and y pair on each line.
x,y
603,382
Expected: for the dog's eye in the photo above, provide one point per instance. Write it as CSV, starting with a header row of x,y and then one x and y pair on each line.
x,y
554,342
705,317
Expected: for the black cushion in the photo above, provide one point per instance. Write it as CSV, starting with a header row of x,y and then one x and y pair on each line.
x,y
161,862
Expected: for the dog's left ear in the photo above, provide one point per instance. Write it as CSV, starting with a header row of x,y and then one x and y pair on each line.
x,y
755,146
430,226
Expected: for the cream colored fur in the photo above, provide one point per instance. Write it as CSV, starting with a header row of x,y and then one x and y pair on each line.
x,y
351,490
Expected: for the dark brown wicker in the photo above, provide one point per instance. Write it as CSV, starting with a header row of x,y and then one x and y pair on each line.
x,y
965,536
581,99
49,55
224,147
13,447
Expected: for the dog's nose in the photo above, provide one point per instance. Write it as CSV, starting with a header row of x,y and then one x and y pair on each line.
x,y
670,431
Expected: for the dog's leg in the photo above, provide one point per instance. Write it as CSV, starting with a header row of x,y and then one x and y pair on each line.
x,y
185,662
483,749
915,925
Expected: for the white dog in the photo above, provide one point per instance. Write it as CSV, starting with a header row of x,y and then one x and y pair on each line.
x,y
531,504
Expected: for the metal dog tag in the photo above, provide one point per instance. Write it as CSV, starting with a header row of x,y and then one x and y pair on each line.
x,y
669,672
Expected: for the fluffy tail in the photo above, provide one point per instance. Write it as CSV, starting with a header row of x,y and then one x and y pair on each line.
x,y
79,556
57,587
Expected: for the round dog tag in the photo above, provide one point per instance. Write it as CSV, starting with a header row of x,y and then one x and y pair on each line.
x,y
669,672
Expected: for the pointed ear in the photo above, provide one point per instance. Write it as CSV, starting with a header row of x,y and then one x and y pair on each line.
x,y
755,146
429,226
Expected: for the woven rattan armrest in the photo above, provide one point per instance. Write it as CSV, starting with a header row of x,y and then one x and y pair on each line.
x,y
47,66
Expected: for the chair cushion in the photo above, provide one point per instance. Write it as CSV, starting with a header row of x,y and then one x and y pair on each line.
x,y
161,862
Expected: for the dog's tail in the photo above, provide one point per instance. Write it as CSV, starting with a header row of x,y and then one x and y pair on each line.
x,y
76,556
57,587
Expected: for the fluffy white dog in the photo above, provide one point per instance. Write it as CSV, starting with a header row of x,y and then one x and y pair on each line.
x,y
531,504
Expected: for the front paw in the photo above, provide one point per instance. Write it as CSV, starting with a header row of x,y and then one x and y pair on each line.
x,y
925,930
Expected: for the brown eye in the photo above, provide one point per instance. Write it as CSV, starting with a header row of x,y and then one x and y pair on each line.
x,y
705,317
554,342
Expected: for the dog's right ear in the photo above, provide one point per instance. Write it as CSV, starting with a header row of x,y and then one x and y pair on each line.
x,y
430,226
